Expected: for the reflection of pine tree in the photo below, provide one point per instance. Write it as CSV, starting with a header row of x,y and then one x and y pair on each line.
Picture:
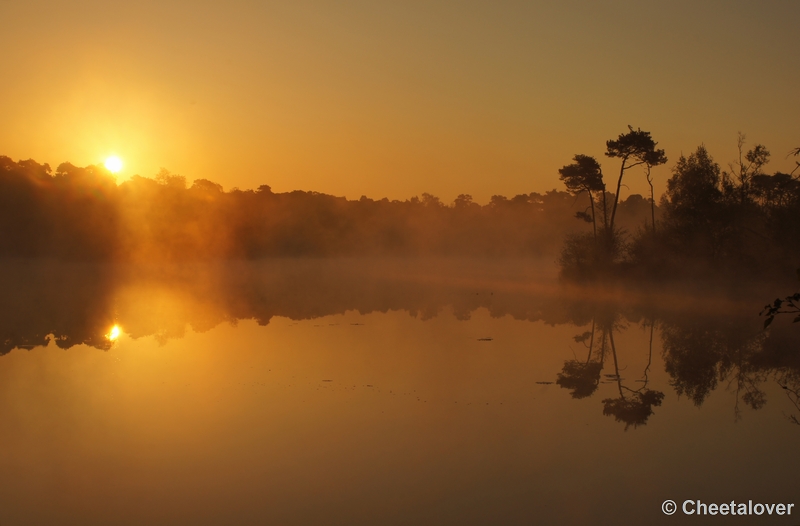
x,y
584,377
634,411
635,408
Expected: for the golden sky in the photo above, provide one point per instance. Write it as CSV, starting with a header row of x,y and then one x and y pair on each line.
x,y
393,98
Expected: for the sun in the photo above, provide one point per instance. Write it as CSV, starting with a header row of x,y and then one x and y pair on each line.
x,y
114,333
114,164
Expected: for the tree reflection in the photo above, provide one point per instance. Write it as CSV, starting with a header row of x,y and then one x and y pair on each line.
x,y
701,353
583,377
635,409
633,406
70,304
79,302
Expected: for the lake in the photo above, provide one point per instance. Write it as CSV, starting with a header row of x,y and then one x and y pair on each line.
x,y
386,391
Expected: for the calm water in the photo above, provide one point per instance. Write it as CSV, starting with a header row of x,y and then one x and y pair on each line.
x,y
385,392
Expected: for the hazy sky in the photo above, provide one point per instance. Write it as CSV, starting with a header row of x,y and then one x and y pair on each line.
x,y
393,98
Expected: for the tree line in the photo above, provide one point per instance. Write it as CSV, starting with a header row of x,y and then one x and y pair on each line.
x,y
82,213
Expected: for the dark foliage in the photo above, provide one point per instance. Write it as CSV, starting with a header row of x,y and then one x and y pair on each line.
x,y
736,224
72,213
81,213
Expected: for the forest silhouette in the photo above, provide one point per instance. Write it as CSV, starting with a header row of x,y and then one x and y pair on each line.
x,y
736,224
77,213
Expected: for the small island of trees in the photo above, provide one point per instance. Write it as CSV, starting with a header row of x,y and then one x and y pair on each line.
x,y
735,223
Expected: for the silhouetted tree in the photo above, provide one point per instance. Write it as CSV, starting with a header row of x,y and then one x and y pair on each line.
x,y
694,185
585,175
693,205
776,191
748,165
634,148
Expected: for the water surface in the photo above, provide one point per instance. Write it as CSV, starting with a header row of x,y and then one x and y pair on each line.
x,y
384,392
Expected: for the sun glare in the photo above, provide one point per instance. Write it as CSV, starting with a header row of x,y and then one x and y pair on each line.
x,y
114,333
114,164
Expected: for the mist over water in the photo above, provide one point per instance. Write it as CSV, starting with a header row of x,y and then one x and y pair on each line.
x,y
74,213
178,354
418,263
383,390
